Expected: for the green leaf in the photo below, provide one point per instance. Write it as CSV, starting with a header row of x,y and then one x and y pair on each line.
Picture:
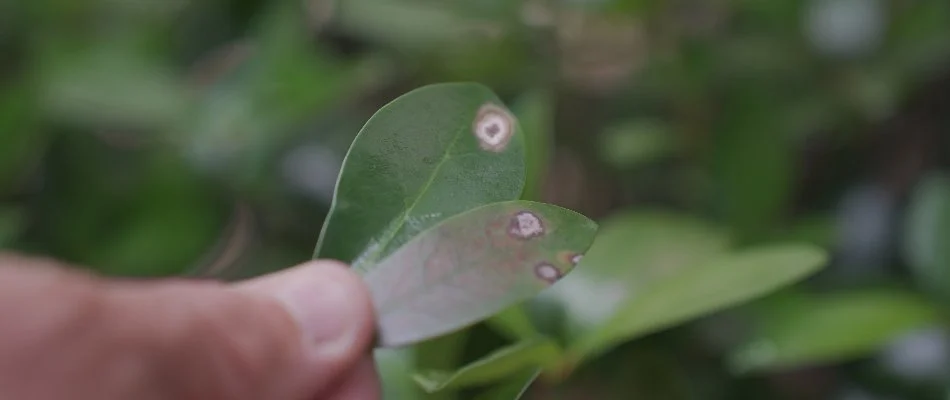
x,y
710,286
514,323
830,328
445,352
927,230
11,222
514,388
632,252
752,160
493,367
110,85
633,144
474,265
418,161
396,381
406,25
21,142
257,92
535,111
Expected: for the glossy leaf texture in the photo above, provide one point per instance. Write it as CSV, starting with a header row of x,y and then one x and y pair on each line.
x,y
474,265
432,153
710,286
493,367
927,232
805,330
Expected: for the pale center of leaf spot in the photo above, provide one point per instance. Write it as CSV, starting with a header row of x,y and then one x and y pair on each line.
x,y
493,128
526,225
547,272
576,258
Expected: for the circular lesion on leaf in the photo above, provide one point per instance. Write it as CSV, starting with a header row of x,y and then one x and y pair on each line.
x,y
571,258
526,225
547,272
493,127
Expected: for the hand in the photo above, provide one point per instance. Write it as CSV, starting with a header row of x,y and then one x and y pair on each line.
x,y
303,333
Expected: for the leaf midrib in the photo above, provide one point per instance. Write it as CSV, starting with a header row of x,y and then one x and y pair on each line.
x,y
388,237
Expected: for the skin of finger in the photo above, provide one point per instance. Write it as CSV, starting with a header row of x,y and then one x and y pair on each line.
x,y
328,367
177,340
361,384
245,344
50,342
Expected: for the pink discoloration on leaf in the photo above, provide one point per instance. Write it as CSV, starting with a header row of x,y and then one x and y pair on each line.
x,y
547,272
526,225
437,264
471,266
576,259
493,127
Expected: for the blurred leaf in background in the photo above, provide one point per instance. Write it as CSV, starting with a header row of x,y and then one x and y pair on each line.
x,y
927,234
806,329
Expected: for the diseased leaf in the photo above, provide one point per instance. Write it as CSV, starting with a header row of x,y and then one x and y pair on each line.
x,y
430,154
830,328
713,285
514,388
493,367
927,233
474,265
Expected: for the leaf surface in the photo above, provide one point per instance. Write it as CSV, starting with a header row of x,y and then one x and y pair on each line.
x,y
494,367
512,389
394,366
474,265
632,252
432,153
712,285
830,328
927,230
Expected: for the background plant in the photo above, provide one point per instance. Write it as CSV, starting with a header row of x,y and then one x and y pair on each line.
x,y
179,137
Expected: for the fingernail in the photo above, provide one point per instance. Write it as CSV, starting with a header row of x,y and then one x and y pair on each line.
x,y
318,302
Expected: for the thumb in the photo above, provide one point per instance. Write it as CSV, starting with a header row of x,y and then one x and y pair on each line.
x,y
290,335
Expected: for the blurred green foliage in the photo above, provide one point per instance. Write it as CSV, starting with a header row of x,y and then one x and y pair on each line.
x,y
155,138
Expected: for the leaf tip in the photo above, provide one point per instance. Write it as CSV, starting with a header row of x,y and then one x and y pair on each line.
x,y
430,381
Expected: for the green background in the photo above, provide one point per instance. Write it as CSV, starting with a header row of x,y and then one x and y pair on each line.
x,y
203,138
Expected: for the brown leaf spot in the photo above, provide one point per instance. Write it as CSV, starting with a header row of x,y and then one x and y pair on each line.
x,y
547,272
526,225
493,127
